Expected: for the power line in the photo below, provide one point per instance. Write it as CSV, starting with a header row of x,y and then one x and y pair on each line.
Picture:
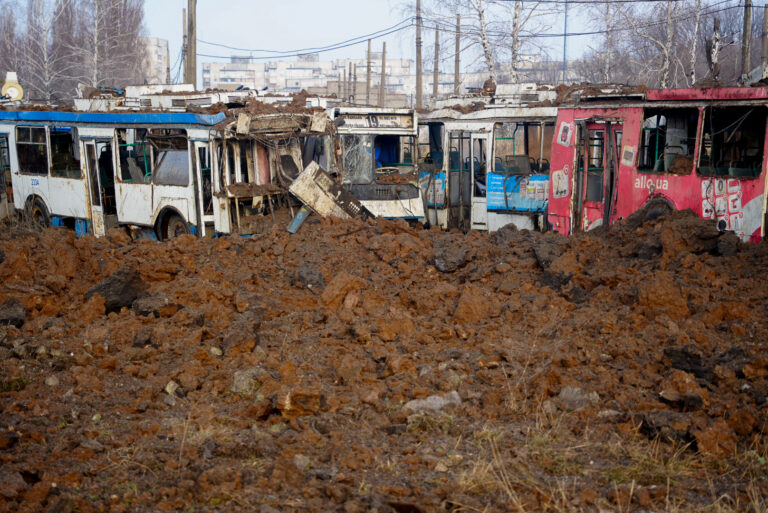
x,y
372,35
298,53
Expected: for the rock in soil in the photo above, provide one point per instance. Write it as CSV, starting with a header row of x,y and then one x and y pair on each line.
x,y
120,289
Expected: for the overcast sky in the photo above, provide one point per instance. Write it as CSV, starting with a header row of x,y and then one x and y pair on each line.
x,y
293,24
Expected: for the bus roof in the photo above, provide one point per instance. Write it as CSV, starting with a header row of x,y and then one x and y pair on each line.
x,y
113,118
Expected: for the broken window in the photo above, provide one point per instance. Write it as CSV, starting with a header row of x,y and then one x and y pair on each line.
x,y
65,153
431,146
170,153
135,155
732,142
523,148
357,158
5,167
32,150
668,141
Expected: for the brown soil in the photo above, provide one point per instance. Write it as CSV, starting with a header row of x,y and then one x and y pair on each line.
x,y
338,370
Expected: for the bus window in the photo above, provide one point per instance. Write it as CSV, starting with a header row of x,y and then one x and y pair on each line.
x,y
523,148
732,142
357,158
668,141
135,155
32,150
431,149
65,154
171,158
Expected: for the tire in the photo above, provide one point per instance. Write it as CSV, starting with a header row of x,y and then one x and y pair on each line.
x,y
175,226
37,214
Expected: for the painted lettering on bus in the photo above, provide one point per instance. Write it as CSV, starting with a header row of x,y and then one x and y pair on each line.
x,y
35,182
659,184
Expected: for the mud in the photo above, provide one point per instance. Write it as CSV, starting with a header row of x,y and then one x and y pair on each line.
x,y
338,370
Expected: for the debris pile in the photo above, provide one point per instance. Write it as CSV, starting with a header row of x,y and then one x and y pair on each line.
x,y
361,366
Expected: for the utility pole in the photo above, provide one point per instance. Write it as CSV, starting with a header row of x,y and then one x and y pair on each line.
x,y
382,84
457,57
368,77
184,49
764,54
715,55
418,55
437,63
354,82
565,40
345,94
745,37
192,43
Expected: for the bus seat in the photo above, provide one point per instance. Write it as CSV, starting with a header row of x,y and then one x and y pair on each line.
x,y
136,175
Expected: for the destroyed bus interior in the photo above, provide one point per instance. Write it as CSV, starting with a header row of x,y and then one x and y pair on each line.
x,y
159,156
379,166
668,141
732,141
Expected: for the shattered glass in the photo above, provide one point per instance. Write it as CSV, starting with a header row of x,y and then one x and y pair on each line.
x,y
357,158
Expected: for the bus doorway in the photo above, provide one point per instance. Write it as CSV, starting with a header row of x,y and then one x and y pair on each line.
x,y
101,185
596,172
5,177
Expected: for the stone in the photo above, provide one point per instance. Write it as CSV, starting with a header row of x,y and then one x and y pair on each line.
x,y
670,426
52,381
680,388
157,305
310,277
12,484
13,313
434,402
143,336
171,388
687,358
449,258
338,288
120,289
301,462
244,329
216,351
575,398
248,381
297,403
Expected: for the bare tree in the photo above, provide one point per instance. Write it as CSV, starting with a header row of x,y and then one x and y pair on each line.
x,y
63,42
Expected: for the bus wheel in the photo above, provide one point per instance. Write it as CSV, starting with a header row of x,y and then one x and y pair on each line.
x,y
175,227
37,214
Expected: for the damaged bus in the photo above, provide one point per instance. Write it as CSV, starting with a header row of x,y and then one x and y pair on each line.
x,y
618,150
489,167
166,173
378,159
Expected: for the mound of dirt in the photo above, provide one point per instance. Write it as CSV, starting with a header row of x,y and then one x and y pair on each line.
x,y
350,368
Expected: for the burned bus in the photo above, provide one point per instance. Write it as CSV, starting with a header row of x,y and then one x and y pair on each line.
x,y
617,150
161,173
378,159
489,167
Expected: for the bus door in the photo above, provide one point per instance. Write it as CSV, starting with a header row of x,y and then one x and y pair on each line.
x,y
479,179
459,185
101,185
6,198
596,172
203,185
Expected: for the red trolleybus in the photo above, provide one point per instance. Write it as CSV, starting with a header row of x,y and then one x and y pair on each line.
x,y
616,151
